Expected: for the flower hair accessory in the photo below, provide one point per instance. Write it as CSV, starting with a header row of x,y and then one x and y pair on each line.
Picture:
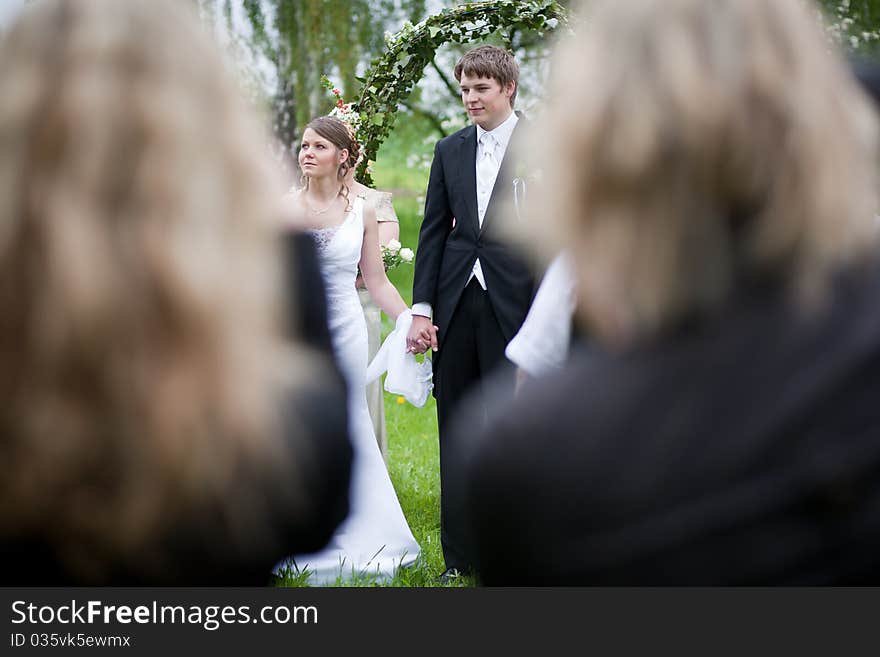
x,y
346,113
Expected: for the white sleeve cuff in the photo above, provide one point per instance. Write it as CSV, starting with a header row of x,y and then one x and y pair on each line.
x,y
424,309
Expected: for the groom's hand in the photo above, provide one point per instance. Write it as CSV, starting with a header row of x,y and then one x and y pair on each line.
x,y
422,335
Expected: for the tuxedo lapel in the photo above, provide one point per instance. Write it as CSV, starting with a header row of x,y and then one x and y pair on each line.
x,y
503,187
467,159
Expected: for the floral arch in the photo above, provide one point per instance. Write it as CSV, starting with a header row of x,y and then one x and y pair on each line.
x,y
392,77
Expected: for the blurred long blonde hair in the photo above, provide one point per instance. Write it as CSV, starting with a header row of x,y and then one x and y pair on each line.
x,y
689,143
139,279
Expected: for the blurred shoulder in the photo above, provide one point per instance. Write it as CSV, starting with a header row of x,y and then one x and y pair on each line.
x,y
382,203
293,210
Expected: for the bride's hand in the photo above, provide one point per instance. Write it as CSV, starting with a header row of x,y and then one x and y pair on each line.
x,y
422,334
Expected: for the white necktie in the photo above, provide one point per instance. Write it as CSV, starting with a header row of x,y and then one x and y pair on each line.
x,y
487,171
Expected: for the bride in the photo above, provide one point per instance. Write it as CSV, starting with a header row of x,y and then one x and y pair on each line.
x,y
375,539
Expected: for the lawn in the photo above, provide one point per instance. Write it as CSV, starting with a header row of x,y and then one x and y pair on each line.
x,y
413,456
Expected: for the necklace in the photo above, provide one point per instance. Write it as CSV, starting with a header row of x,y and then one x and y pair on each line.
x,y
323,210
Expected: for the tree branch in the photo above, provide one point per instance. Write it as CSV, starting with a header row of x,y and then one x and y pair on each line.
x,y
454,92
432,118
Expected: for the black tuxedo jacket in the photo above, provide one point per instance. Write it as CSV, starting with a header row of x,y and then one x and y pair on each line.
x,y
446,253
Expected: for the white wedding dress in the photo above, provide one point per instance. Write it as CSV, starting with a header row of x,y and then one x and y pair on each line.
x,y
375,538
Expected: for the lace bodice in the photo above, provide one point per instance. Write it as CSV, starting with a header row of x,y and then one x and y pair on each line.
x,y
340,246
323,236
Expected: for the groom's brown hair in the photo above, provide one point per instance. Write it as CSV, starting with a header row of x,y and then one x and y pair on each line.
x,y
490,62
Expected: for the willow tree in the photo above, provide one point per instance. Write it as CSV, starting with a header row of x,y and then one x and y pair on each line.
x,y
299,40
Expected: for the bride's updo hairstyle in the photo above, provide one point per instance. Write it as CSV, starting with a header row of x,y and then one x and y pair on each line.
x,y
339,134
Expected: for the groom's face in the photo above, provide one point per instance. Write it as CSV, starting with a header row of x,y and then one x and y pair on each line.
x,y
486,101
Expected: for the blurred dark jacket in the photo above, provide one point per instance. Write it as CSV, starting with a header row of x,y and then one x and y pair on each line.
x,y
739,451
307,297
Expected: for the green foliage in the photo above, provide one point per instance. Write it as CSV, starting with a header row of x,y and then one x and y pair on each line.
x,y
403,163
393,76
853,24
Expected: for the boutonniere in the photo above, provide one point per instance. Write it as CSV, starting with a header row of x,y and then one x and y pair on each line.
x,y
521,185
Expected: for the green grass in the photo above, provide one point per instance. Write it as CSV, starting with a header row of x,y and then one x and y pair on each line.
x,y
413,450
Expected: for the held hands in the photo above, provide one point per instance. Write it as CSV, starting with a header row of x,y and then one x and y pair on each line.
x,y
422,334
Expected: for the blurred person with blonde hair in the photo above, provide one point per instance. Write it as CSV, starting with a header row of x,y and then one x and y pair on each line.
x,y
712,170
157,426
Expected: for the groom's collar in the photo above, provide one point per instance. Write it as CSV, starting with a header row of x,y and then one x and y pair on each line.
x,y
502,132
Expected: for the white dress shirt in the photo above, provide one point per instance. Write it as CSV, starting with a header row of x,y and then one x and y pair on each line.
x,y
490,153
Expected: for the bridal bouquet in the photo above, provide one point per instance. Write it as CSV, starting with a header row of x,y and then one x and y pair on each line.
x,y
395,254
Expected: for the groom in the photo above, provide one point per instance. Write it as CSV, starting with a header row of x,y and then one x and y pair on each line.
x,y
471,283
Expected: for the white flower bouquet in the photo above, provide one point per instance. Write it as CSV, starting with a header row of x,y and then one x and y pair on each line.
x,y
395,254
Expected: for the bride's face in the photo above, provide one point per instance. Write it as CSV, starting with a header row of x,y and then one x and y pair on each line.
x,y
318,156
